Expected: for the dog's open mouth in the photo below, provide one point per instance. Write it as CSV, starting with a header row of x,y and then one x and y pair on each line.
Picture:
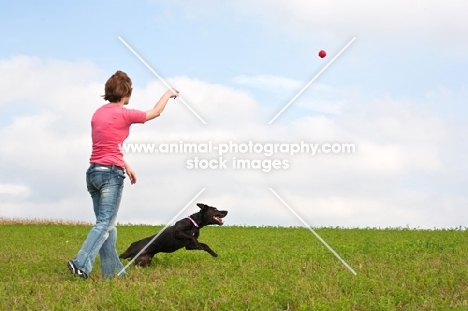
x,y
218,219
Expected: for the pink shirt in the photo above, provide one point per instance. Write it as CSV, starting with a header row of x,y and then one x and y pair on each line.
x,y
110,126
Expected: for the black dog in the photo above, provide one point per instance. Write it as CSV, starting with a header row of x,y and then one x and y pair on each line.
x,y
184,233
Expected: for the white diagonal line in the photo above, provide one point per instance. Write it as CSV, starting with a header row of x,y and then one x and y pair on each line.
x,y
160,79
312,230
311,81
154,238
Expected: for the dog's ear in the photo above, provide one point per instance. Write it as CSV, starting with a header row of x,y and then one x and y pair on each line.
x,y
203,207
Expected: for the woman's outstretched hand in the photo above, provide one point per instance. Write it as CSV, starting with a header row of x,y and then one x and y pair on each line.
x,y
172,93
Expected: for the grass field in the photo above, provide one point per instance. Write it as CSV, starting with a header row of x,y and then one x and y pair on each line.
x,y
258,268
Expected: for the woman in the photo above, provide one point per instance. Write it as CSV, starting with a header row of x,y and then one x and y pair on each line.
x,y
110,126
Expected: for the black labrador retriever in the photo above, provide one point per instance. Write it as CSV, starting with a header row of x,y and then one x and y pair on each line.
x,y
184,233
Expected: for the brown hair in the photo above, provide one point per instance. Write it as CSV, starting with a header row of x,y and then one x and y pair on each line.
x,y
119,85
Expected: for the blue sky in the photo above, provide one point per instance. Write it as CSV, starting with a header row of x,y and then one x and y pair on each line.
x,y
399,92
219,44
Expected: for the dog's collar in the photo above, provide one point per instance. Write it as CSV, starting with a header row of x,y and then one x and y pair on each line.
x,y
193,221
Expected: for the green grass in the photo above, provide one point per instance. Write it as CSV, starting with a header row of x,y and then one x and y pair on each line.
x,y
258,268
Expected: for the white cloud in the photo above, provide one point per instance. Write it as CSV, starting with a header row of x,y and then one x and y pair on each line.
x,y
318,97
435,20
46,82
440,23
269,82
14,190
45,153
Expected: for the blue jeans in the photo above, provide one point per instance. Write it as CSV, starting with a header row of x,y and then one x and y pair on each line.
x,y
105,185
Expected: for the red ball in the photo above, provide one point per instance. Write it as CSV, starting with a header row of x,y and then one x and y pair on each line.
x,y
322,54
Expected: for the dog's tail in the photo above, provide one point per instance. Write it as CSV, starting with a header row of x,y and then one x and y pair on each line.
x,y
125,255
136,247
131,251
142,260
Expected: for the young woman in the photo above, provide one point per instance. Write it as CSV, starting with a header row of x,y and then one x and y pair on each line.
x,y
110,126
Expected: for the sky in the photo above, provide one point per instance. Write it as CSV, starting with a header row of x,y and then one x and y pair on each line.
x,y
397,94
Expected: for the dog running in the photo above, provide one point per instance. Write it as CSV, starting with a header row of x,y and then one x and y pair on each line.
x,y
184,233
